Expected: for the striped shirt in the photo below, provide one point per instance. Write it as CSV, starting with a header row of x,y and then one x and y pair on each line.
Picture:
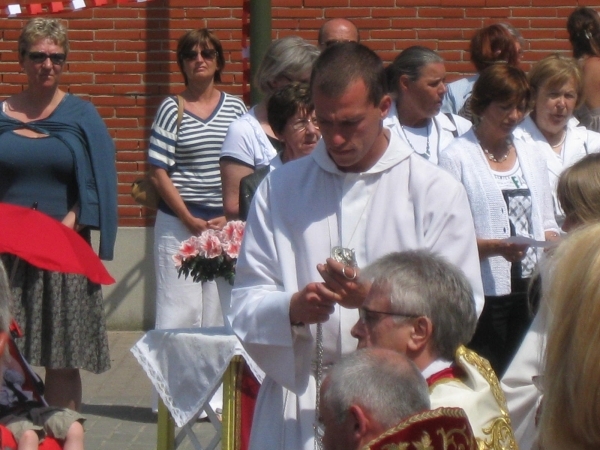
x,y
191,157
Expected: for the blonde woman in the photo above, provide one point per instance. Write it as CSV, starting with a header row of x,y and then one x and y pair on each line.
x,y
53,145
556,84
578,192
571,386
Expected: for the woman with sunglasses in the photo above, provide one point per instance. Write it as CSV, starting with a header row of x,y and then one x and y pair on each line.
x,y
184,167
56,154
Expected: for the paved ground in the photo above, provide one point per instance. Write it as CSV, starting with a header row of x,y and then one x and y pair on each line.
x,y
117,403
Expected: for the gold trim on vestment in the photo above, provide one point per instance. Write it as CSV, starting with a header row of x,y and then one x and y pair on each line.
x,y
500,430
426,443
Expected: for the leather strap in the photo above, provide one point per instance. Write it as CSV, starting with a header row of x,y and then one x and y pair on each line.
x,y
179,112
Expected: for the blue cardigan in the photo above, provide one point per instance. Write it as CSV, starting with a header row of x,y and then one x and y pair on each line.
x,y
79,126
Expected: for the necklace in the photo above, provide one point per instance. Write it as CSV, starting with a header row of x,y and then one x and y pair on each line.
x,y
427,153
562,141
347,257
491,156
508,142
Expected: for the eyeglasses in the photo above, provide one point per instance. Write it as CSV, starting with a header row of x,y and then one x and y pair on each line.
x,y
302,124
206,53
368,316
40,57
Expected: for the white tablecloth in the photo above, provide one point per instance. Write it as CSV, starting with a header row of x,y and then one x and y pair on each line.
x,y
186,365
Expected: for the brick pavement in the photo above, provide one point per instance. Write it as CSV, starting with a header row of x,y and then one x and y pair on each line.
x,y
117,403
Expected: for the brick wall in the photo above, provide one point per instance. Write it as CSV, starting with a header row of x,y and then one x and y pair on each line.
x,y
122,56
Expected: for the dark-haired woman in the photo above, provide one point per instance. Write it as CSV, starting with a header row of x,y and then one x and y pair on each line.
x,y
184,166
488,45
583,26
416,81
509,193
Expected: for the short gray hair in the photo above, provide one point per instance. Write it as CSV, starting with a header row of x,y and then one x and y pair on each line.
x,y
288,56
43,28
421,283
410,62
385,382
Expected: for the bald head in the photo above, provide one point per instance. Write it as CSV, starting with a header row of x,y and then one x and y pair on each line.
x,y
337,30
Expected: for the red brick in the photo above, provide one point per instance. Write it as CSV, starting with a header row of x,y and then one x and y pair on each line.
x,y
442,12
278,4
76,78
439,34
373,3
126,166
130,156
324,3
91,67
297,13
130,144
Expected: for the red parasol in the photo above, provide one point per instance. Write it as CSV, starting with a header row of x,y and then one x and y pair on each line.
x,y
48,244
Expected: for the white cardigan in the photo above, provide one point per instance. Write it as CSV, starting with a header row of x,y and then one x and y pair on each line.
x,y
578,143
465,159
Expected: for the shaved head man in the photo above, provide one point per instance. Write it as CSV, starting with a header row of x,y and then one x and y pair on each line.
x,y
337,30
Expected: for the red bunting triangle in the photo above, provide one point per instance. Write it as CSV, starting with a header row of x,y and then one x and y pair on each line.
x,y
56,7
34,8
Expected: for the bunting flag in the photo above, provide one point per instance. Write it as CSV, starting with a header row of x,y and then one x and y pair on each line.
x,y
54,7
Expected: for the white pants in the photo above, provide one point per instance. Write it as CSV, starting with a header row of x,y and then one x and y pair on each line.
x,y
180,302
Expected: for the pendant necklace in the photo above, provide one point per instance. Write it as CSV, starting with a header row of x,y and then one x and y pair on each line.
x,y
347,257
427,153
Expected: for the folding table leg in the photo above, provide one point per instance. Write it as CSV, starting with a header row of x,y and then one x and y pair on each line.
x,y
165,436
231,404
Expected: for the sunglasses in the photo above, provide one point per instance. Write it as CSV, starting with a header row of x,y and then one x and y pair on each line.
x,y
206,53
40,57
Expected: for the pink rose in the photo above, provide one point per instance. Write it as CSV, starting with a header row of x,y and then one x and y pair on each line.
x,y
209,244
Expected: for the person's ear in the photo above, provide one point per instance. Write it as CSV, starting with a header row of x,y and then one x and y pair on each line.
x,y
359,422
384,105
403,83
420,334
279,137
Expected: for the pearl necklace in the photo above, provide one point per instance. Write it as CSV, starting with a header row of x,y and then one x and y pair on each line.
x,y
562,141
492,157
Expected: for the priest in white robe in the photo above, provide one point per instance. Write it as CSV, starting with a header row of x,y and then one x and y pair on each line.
x,y
361,189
